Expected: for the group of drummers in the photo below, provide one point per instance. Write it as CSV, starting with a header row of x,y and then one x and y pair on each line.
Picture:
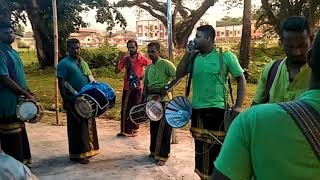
x,y
248,149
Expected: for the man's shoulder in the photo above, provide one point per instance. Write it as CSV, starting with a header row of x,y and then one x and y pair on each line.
x,y
262,112
64,62
268,66
140,55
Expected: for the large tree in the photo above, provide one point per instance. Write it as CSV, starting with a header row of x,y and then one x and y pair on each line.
x,y
183,18
245,46
273,12
39,12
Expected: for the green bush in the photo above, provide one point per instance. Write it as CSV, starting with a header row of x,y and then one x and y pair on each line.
x,y
104,56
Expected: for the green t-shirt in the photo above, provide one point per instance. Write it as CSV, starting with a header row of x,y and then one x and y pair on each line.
x,y
264,142
70,70
282,90
15,66
207,85
159,74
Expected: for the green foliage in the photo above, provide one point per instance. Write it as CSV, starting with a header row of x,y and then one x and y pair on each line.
x,y
40,13
104,56
272,12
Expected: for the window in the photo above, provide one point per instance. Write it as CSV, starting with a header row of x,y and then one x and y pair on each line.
x,y
155,34
156,27
218,33
140,34
222,33
146,34
140,29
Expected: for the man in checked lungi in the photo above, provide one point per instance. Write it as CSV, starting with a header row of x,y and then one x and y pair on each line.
x,y
13,84
157,76
210,69
82,133
134,64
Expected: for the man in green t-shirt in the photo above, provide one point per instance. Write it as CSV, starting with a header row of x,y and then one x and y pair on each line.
x,y
265,142
209,78
12,85
157,76
82,133
292,74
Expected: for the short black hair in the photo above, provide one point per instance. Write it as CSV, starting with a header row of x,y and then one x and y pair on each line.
x,y
155,44
208,30
72,41
296,24
5,25
132,41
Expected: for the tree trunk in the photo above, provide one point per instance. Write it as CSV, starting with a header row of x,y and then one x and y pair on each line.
x,y
245,47
43,33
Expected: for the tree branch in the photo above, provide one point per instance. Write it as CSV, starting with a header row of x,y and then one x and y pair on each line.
x,y
267,8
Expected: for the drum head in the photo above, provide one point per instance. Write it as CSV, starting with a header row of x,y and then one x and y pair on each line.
x,y
27,111
84,107
178,112
154,110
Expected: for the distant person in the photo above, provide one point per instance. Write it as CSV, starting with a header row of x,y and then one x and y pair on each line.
x,y
11,169
210,69
13,84
285,80
134,64
272,141
82,133
158,74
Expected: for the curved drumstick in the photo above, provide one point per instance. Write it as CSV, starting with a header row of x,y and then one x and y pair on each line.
x,y
69,87
172,84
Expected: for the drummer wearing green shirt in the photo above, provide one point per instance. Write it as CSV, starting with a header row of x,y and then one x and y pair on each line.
x,y
265,142
292,75
12,85
209,78
157,75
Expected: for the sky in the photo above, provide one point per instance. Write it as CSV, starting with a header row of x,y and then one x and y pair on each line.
x,y
213,14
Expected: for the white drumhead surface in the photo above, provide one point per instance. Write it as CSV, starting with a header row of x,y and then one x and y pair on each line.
x,y
27,111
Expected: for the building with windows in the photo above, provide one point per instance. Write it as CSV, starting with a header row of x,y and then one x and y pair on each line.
x,y
150,29
234,32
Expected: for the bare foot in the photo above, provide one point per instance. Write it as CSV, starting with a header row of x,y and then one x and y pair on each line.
x,y
161,163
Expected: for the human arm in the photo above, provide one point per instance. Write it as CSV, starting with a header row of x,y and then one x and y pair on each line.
x,y
8,82
236,72
241,89
120,62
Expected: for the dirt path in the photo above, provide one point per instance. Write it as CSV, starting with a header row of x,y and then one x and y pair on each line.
x,y
119,158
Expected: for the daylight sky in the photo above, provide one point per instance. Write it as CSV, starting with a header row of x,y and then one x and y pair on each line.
x,y
213,14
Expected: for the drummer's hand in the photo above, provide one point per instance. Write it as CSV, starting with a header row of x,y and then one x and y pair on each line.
x,y
30,96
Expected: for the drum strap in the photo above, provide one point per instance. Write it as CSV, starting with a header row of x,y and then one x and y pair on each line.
x,y
192,59
131,72
308,120
221,62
